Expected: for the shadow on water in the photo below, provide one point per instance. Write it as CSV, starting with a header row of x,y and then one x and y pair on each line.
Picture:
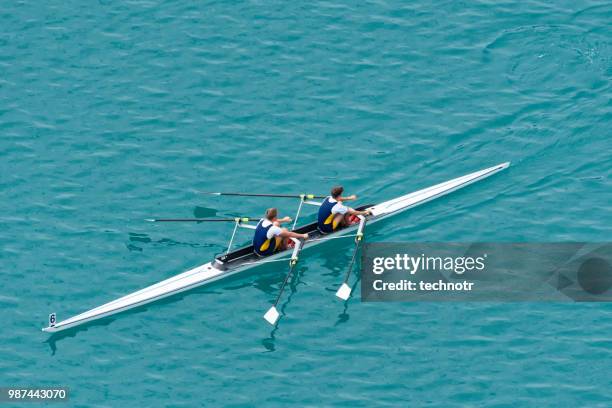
x,y
136,239
344,316
332,257
106,321
204,212
207,212
258,278
336,260
266,280
296,279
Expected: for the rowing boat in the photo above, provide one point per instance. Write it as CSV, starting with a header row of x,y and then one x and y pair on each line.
x,y
242,259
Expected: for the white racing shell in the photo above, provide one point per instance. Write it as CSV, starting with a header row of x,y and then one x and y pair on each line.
x,y
213,271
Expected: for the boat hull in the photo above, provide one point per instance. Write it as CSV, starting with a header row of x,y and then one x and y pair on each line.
x,y
243,259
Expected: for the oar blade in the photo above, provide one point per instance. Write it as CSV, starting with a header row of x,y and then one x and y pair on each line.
x,y
272,315
344,292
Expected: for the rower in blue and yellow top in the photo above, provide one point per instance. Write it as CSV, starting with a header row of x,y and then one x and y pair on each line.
x,y
270,237
333,214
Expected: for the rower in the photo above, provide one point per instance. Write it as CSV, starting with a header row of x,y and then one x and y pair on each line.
x,y
270,237
333,214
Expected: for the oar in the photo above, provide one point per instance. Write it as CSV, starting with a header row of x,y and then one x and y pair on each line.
x,y
272,314
345,290
307,196
237,219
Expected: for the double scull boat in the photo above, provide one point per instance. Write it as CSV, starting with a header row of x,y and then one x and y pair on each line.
x,y
242,259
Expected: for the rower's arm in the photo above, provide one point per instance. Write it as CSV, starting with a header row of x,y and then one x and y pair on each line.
x,y
283,220
290,234
349,198
355,212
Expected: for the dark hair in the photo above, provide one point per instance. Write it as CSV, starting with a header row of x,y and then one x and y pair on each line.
x,y
271,213
336,191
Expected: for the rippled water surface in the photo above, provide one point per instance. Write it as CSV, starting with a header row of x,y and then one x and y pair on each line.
x,y
112,112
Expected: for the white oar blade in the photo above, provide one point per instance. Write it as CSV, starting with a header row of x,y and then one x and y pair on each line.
x,y
272,315
344,292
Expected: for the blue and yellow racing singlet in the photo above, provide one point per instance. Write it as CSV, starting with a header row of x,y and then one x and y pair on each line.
x,y
262,245
325,221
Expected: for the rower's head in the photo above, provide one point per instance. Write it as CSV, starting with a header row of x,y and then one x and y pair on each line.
x,y
271,213
337,191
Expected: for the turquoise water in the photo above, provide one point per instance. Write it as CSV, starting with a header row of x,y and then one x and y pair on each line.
x,y
112,112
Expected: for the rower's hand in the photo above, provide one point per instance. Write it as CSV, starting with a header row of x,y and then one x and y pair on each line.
x,y
305,236
286,219
352,197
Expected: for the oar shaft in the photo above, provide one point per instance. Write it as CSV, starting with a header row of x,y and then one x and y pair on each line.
x,y
358,241
282,288
307,196
240,219
292,262
350,267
